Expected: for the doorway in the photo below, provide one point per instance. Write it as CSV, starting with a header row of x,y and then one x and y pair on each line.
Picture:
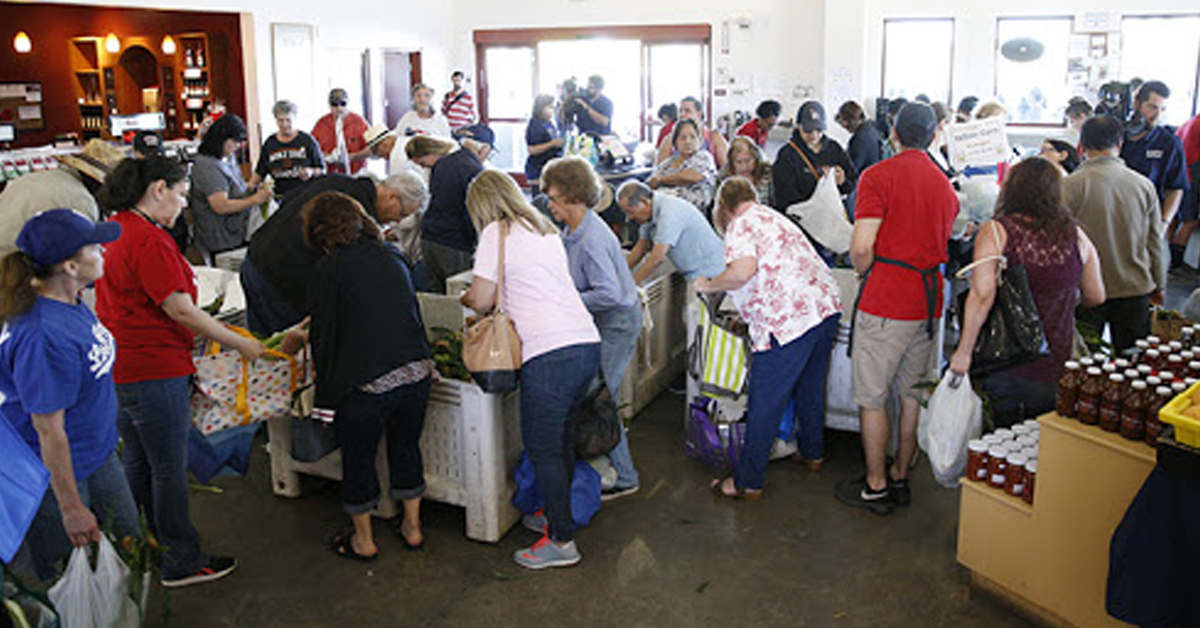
x,y
401,70
137,81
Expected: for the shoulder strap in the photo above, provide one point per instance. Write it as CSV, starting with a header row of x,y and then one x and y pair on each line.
x,y
807,162
500,268
999,257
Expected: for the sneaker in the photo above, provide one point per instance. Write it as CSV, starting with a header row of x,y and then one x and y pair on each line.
x,y
856,492
901,493
536,521
218,567
781,449
615,492
546,553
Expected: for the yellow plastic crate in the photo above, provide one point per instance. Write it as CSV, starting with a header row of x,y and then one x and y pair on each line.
x,y
1187,429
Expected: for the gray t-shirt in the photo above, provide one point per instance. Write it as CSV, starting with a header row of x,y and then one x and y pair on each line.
x,y
215,232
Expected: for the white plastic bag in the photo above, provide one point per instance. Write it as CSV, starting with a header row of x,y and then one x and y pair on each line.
x,y
823,216
99,599
954,417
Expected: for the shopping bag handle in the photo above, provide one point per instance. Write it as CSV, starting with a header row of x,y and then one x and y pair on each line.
x,y
241,405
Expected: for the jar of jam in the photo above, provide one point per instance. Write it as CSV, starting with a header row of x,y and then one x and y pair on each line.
x,y
1014,475
1176,346
1030,480
1154,382
1190,381
997,466
1131,375
1188,355
1144,371
1133,412
1110,403
1004,434
1154,341
1175,364
1087,409
1154,359
992,440
1194,368
1109,368
977,461
1139,349
1019,431
1167,377
1178,388
1030,453
1154,427
1026,442
1187,334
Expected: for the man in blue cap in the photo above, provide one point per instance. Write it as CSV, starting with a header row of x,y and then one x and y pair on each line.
x,y
905,211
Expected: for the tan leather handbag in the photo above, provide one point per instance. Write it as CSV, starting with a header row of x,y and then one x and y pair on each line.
x,y
491,346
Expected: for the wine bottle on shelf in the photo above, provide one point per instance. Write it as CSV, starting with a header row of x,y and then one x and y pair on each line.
x,y
200,57
188,59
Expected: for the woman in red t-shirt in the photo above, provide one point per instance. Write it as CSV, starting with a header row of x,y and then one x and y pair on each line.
x,y
147,298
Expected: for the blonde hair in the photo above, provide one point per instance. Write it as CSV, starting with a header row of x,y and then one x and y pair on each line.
x,y
425,145
494,196
733,192
762,168
991,109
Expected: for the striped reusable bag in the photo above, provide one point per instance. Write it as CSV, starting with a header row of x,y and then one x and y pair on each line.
x,y
723,358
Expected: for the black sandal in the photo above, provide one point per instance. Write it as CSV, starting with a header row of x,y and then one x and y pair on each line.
x,y
342,545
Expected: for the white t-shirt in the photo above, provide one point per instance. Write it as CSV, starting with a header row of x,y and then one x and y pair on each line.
x,y
411,124
539,294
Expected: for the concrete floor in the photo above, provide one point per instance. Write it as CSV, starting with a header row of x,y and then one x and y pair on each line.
x,y
671,555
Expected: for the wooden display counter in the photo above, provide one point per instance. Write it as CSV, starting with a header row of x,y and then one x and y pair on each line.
x,y
1051,559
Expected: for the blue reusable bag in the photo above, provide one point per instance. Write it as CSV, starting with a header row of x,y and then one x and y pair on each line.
x,y
585,491
23,482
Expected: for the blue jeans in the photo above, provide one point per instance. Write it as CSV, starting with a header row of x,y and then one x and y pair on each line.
x,y
105,493
266,310
619,330
361,419
794,372
553,385
154,419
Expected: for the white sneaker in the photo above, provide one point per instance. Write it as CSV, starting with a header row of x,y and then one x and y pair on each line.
x,y
781,449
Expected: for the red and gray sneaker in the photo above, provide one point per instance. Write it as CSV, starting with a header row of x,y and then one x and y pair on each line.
x,y
217,567
546,553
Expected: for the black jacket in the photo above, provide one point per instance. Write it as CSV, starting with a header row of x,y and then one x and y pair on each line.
x,y
277,249
794,182
365,318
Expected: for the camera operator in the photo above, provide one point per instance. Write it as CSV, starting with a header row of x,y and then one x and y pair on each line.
x,y
1153,150
591,112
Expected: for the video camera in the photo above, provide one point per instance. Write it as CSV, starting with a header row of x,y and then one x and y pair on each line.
x,y
572,93
1117,101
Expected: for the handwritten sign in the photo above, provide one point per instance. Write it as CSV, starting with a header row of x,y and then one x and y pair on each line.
x,y
980,143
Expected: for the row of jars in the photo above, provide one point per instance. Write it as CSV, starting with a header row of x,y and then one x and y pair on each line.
x,y
1125,395
1006,459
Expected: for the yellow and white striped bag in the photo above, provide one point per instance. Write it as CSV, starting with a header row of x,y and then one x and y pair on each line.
x,y
720,358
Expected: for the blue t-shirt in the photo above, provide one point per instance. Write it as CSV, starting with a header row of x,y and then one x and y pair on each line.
x,y
540,132
584,120
446,221
1159,157
696,251
60,357
598,267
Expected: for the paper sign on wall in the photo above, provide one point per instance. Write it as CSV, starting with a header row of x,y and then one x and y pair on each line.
x,y
981,143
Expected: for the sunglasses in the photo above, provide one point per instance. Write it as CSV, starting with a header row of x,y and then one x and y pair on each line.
x,y
337,103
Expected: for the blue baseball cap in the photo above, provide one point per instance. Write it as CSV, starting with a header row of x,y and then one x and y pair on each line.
x,y
479,133
57,234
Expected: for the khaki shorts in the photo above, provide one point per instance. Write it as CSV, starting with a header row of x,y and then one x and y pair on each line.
x,y
888,353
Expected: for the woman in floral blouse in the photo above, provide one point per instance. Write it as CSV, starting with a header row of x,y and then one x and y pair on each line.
x,y
791,303
690,173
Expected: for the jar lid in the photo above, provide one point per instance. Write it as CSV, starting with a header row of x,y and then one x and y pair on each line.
x,y
998,451
1016,460
1031,466
1093,371
1144,369
1141,344
1162,390
1117,378
1099,357
1085,362
1178,387
1027,441
1174,357
1131,374
1110,368
1154,381
1004,433
978,445
992,439
1139,385
1194,364
1071,365
1187,356
1030,452
1175,345
1166,376
1122,363
1188,381
1019,430
1153,340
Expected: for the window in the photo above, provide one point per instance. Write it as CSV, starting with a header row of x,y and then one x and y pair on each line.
x,y
917,56
643,67
1164,48
1031,68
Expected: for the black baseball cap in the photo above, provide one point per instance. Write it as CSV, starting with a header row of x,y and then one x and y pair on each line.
x,y
811,116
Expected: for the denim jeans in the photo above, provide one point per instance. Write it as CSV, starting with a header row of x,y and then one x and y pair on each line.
x,y
154,418
105,493
619,330
360,421
1015,399
266,310
794,372
553,385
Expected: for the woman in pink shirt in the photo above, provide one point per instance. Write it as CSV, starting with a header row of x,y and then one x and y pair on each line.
x,y
792,304
560,347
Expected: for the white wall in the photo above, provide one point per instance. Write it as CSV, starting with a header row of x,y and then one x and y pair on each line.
x,y
780,54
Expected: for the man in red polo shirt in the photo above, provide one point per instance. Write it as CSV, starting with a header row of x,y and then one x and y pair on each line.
x,y
765,117
1189,208
906,208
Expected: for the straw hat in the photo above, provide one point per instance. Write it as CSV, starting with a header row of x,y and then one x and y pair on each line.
x,y
606,197
376,134
96,160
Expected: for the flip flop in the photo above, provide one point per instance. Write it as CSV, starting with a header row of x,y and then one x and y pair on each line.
x,y
412,547
343,546
740,494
